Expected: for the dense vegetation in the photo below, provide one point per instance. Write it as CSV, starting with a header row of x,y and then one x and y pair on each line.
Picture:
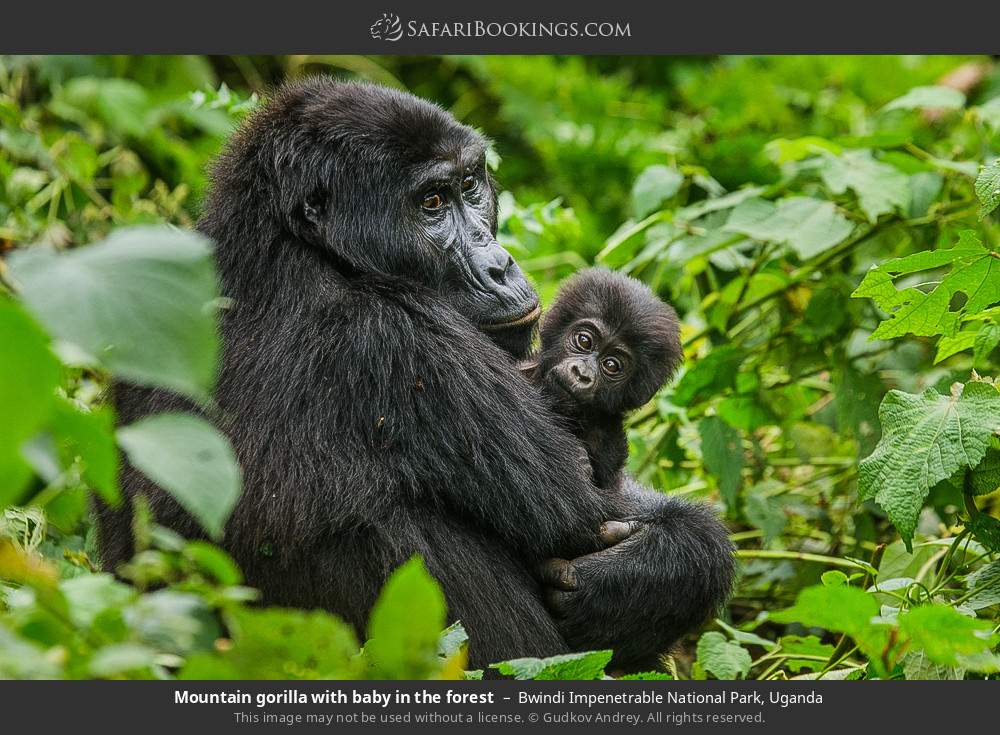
x,y
826,228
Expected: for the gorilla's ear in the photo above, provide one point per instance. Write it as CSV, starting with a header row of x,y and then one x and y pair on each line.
x,y
314,208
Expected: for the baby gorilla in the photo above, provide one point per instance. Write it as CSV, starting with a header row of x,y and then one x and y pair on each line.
x,y
607,345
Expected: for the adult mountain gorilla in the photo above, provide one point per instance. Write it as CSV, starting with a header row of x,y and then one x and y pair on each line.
x,y
369,389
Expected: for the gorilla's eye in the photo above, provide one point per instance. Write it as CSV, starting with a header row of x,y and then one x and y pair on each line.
x,y
469,183
584,341
611,365
432,200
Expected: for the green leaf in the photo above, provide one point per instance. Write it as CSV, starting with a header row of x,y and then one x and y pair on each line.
x,y
141,302
190,459
808,645
984,478
214,561
121,658
917,666
975,273
986,340
926,439
173,621
880,188
722,658
654,186
840,609
452,639
566,667
29,375
985,586
90,595
988,186
89,437
722,451
945,634
405,624
709,376
932,96
275,643
808,226
986,530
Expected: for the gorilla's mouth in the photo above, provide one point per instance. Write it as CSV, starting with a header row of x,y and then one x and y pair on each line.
x,y
518,321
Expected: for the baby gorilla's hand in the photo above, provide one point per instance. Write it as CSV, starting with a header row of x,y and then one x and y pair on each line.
x,y
563,579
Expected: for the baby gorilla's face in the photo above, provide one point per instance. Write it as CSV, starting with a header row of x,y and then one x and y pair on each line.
x,y
591,365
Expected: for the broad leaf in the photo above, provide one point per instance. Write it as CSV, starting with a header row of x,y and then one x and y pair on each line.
x,y
406,624
722,658
988,186
975,273
944,634
985,586
141,302
808,226
841,609
655,185
29,375
880,188
926,439
932,96
569,666
190,459
722,451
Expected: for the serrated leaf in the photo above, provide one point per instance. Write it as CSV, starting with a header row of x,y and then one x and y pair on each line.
x,y
406,623
654,185
570,666
140,302
988,186
930,96
808,226
191,460
975,272
880,188
926,439
722,658
722,451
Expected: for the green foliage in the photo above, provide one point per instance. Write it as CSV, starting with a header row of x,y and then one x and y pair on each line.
x,y
758,195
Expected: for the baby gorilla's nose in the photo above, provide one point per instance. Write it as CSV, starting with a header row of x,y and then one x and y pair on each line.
x,y
581,374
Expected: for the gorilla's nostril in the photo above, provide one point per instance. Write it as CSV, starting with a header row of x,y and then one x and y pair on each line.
x,y
580,376
498,274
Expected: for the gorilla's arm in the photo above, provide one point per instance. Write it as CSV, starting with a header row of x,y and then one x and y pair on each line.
x,y
668,567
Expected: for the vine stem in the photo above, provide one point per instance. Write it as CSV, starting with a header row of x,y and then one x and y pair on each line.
x,y
832,561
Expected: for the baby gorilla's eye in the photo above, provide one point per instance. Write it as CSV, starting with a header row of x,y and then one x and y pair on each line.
x,y
432,200
584,341
611,365
469,183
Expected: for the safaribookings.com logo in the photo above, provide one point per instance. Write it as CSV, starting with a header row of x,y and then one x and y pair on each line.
x,y
390,28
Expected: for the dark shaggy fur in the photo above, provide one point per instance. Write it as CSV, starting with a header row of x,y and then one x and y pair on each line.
x,y
627,329
375,419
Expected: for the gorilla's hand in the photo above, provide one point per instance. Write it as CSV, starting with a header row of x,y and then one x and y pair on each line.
x,y
666,568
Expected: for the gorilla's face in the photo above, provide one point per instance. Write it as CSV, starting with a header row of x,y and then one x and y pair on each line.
x,y
399,187
453,208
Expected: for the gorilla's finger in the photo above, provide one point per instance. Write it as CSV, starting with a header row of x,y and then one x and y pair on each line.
x,y
558,573
558,602
613,532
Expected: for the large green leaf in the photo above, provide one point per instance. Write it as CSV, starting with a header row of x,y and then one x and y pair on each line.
x,y
88,436
406,623
29,375
839,608
568,666
975,272
190,459
808,226
880,188
984,584
944,634
141,302
988,186
926,438
721,658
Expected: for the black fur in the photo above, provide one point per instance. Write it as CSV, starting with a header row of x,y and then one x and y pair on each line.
x,y
626,327
374,418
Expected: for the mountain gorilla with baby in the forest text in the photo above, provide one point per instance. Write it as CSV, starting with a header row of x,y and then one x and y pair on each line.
x,y
370,388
